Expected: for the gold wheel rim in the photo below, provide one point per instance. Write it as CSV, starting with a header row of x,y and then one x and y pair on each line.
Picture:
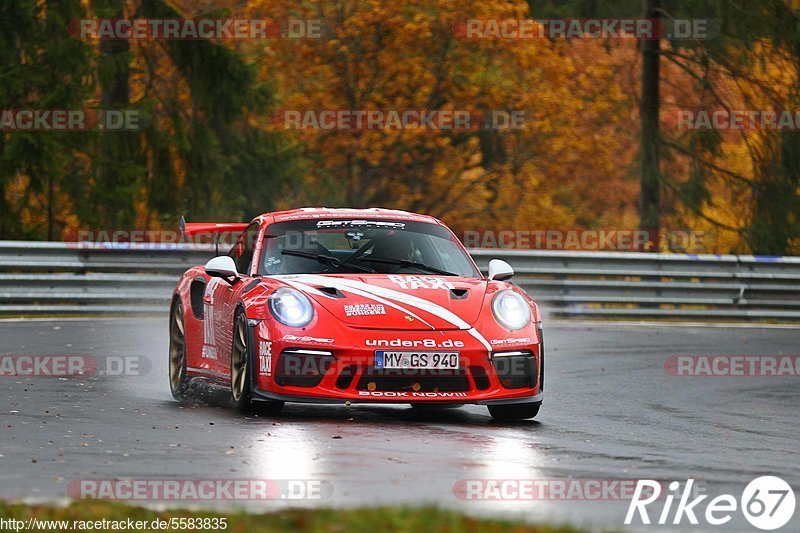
x,y
239,360
177,349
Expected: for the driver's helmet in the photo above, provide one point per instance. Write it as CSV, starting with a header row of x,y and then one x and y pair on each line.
x,y
395,245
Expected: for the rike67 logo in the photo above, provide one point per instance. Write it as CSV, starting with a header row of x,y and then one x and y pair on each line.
x,y
767,502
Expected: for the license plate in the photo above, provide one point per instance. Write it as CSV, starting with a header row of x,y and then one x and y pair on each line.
x,y
414,360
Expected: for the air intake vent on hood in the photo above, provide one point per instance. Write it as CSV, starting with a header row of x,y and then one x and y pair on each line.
x,y
332,291
459,294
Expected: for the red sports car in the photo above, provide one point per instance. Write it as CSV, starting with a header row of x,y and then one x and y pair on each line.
x,y
355,305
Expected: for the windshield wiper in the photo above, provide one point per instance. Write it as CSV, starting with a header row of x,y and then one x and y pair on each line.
x,y
408,263
328,260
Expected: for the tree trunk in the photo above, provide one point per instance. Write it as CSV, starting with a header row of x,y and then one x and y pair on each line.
x,y
113,194
51,208
650,194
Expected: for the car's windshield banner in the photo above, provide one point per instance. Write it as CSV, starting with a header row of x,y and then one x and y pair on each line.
x,y
360,224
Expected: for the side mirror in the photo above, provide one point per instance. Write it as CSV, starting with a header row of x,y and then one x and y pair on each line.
x,y
500,270
222,267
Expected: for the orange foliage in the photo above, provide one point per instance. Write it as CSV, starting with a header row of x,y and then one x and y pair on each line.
x,y
569,165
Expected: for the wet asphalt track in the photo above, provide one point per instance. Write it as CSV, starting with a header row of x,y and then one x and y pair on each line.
x,y
610,412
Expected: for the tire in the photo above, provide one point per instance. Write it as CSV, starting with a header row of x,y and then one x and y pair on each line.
x,y
178,379
241,373
521,411
267,408
241,393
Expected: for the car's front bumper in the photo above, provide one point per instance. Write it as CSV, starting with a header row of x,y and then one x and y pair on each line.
x,y
290,369
271,396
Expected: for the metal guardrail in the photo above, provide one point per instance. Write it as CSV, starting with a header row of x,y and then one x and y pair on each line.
x,y
64,278
643,285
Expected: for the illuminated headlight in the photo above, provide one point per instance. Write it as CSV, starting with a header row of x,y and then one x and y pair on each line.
x,y
291,307
511,310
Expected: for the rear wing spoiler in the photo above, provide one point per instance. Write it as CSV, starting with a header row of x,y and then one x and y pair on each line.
x,y
211,228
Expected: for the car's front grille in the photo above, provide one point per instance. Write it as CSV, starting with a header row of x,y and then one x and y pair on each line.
x,y
302,368
307,368
375,379
346,376
516,370
480,377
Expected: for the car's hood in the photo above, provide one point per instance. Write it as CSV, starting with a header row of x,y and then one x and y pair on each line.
x,y
406,302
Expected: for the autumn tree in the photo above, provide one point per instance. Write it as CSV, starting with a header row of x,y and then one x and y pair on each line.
x,y
41,67
384,56
197,153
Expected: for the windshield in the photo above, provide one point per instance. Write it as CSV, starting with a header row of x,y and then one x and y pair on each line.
x,y
363,246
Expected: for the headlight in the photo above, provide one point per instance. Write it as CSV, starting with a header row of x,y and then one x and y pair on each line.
x,y
511,310
291,307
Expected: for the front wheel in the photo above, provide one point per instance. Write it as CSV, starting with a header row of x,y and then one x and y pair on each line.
x,y
520,411
241,381
240,364
178,379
